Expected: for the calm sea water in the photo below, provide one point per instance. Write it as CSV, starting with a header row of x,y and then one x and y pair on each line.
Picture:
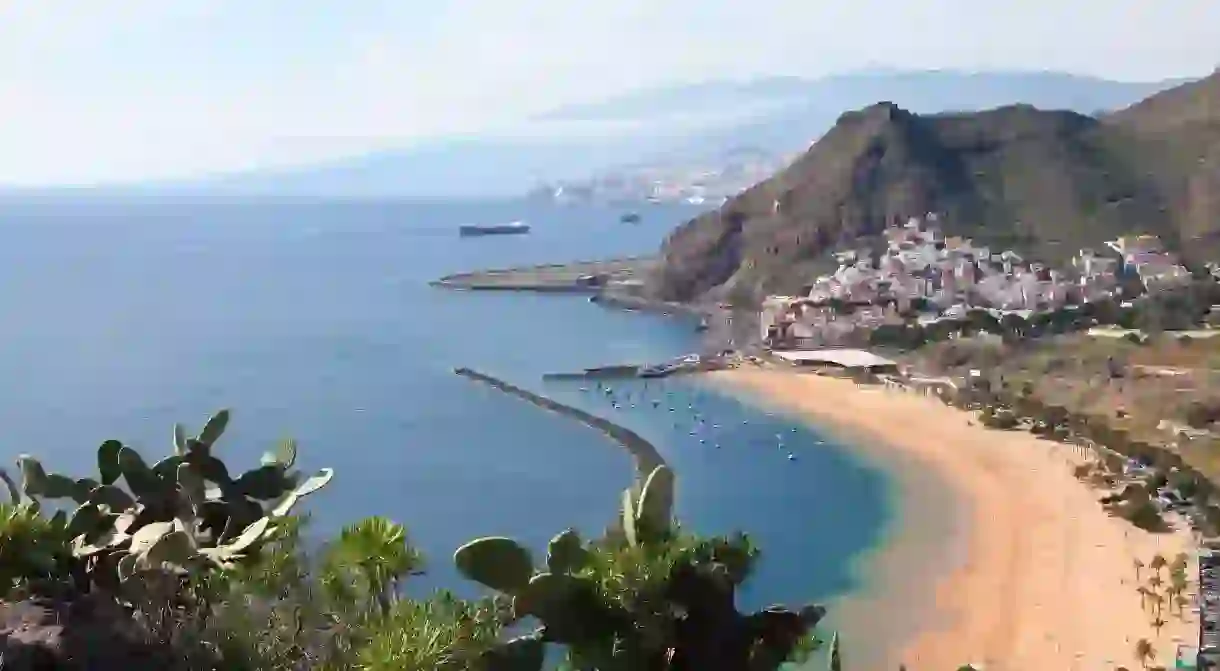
x,y
316,322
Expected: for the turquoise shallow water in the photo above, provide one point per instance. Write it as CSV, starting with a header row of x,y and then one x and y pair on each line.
x,y
315,321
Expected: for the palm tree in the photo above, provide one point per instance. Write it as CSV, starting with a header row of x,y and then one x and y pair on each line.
x,y
1138,566
1144,651
372,556
1158,562
1159,600
1181,561
1144,593
1155,581
1157,624
1177,583
1181,603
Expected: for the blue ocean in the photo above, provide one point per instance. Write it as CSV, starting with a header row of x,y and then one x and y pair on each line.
x,y
315,321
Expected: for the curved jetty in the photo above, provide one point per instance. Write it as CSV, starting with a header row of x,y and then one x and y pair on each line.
x,y
643,453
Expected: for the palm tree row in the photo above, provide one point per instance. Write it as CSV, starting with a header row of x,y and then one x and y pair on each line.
x,y
1159,594
1002,406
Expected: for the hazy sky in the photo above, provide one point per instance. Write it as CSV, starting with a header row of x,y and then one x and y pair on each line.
x,y
127,89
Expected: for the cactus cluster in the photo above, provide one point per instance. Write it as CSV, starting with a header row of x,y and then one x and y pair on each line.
x,y
184,512
691,622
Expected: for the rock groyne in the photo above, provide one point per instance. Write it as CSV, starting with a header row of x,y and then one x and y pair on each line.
x,y
643,453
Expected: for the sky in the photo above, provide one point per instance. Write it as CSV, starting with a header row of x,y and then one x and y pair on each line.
x,y
126,90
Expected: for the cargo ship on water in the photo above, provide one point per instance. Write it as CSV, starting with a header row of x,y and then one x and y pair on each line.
x,y
513,228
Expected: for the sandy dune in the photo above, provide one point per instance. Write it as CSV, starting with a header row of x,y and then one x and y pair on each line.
x,y
1047,581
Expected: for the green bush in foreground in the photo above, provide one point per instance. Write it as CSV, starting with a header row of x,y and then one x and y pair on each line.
x,y
646,597
214,568
183,515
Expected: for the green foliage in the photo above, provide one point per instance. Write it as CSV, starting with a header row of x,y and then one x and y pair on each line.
x,y
1144,515
216,567
368,562
341,606
183,514
646,597
442,633
998,418
33,549
1201,413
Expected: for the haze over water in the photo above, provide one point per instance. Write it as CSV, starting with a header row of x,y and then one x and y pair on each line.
x,y
316,322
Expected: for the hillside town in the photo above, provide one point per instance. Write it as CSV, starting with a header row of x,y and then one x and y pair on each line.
x,y
923,275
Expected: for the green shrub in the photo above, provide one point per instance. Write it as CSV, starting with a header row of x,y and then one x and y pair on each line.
x,y
633,599
1144,515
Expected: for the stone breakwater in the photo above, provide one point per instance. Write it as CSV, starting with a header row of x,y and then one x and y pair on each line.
x,y
643,453
612,283
577,277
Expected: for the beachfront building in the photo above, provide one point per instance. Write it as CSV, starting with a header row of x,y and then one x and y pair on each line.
x,y
775,317
840,361
1128,245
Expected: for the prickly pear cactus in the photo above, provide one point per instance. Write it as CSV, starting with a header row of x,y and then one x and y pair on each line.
x,y
566,553
561,598
655,508
628,602
184,512
648,518
498,563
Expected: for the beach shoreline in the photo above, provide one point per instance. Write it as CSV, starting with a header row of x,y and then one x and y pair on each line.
x,y
999,555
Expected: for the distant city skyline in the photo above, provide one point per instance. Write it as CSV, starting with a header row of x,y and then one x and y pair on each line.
x,y
127,90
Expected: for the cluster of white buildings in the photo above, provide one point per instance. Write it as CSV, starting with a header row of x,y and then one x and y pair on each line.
x,y
1147,257
936,276
709,183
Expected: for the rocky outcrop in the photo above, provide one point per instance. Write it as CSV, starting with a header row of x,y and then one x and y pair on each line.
x,y
85,634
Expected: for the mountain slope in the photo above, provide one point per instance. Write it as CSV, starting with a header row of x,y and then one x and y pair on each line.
x,y
1176,135
1045,181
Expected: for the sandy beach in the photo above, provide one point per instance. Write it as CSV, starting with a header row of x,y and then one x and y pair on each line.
x,y
1031,574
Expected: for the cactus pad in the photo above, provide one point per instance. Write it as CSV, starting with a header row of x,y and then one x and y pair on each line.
x,y
33,477
108,461
628,518
655,508
499,563
549,597
214,428
565,553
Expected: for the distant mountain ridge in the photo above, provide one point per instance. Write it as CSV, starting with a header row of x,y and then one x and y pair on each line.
x,y
1043,180
686,122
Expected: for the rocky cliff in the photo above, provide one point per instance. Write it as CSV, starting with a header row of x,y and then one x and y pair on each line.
x,y
1045,182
